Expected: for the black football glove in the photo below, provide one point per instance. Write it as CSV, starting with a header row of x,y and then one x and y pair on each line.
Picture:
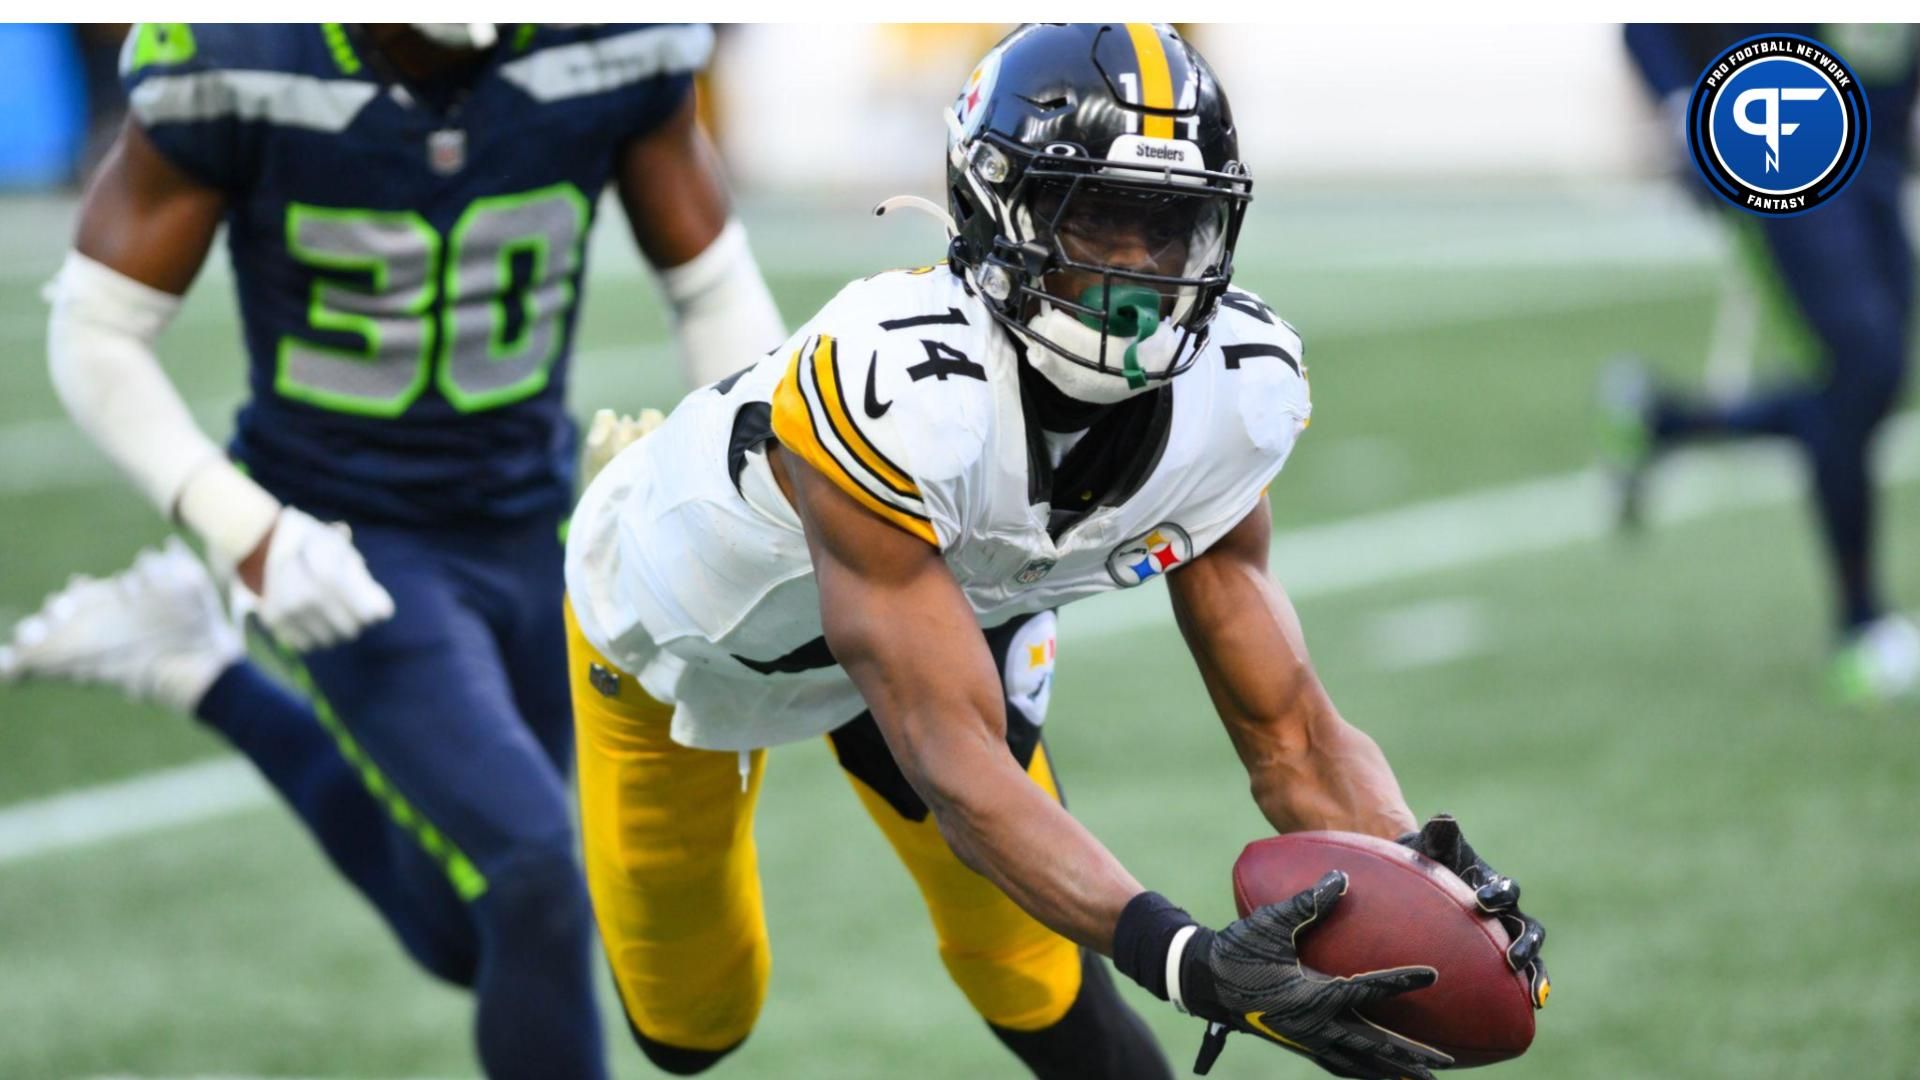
x,y
1249,978
1440,840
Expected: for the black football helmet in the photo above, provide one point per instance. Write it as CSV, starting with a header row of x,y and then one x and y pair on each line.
x,y
1096,189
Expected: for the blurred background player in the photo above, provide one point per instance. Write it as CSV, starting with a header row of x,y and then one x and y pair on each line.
x,y
407,210
1846,272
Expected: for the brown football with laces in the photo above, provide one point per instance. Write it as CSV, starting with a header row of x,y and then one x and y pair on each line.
x,y
1400,908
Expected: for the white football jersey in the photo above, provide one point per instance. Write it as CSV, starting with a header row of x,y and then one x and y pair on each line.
x,y
687,567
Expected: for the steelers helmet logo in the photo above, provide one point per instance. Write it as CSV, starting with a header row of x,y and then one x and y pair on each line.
x,y
1778,124
1148,556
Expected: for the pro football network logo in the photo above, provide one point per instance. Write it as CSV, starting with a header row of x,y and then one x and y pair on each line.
x,y
1778,124
1164,547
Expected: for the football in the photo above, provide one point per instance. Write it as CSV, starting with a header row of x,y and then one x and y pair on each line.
x,y
1400,908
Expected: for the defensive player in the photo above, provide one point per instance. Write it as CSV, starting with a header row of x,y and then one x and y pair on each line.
x,y
1845,274
1076,402
407,211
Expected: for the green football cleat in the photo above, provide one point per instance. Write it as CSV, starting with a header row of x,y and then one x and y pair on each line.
x,y
1625,435
1878,665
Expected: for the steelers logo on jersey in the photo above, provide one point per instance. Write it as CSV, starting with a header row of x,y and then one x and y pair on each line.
x,y
1142,558
1028,674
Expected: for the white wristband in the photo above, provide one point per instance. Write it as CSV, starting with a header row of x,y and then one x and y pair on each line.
x,y
1174,952
227,509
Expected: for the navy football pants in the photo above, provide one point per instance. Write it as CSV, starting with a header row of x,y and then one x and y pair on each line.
x,y
432,766
1849,269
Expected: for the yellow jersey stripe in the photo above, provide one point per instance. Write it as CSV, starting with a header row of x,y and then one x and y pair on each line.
x,y
1156,80
833,399
793,425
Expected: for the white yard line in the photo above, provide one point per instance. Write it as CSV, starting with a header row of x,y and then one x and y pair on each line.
x,y
1501,522
49,454
147,803
221,1076
1391,546
1432,633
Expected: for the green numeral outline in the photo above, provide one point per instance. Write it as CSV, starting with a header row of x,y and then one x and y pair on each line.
x,y
322,317
161,43
497,346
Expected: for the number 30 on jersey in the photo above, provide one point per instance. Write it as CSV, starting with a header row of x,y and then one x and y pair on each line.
x,y
500,283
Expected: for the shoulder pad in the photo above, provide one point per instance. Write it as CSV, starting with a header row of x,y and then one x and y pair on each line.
x,y
1266,365
885,395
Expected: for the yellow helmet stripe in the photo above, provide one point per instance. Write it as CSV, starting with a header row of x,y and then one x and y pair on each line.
x,y
1156,80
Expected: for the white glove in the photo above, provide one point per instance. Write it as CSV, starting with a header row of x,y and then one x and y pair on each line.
x,y
611,433
317,590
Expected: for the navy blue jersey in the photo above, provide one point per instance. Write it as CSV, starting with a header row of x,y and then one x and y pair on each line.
x,y
408,259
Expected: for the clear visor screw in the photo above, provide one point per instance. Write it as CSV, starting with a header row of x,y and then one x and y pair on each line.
x,y
992,164
996,282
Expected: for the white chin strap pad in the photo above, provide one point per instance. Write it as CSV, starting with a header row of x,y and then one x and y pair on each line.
x,y
1083,383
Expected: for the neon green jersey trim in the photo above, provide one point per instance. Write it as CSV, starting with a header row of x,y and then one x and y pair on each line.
x,y
162,43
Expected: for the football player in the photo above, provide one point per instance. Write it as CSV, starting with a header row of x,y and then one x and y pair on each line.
x,y
407,210
1843,277
1076,401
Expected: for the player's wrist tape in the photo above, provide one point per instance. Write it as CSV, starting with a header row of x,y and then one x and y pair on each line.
x,y
227,509
1145,939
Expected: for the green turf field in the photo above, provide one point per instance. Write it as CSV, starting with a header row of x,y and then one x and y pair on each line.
x,y
1724,862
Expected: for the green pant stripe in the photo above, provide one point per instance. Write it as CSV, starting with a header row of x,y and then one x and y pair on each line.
x,y
467,880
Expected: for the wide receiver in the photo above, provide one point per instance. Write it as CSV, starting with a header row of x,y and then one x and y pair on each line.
x,y
407,210
1075,402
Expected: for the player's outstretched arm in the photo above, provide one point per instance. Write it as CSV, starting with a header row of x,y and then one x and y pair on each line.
x,y
898,623
681,214
145,227
1309,768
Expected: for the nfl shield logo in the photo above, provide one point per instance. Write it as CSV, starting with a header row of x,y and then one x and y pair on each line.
x,y
447,151
1034,571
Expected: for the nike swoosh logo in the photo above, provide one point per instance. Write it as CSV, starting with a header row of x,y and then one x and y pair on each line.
x,y
1254,1021
875,408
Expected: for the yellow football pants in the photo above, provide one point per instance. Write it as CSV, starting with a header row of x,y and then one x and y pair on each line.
x,y
671,865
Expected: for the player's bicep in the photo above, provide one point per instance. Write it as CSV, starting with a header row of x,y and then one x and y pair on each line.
x,y
1246,638
898,623
672,188
146,218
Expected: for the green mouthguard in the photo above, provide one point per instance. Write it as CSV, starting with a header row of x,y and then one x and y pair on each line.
x,y
1132,311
